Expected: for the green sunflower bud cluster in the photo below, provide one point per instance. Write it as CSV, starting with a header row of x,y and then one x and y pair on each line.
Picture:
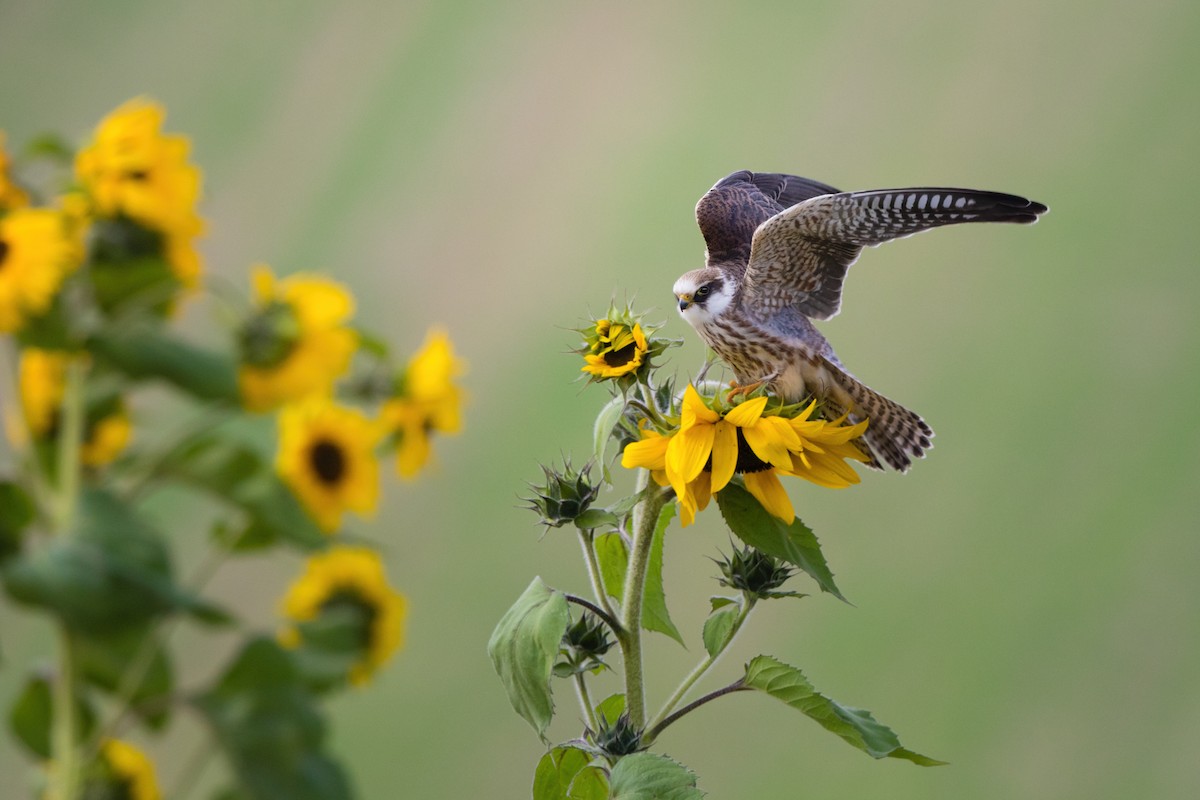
x,y
565,496
620,738
752,571
583,644
268,336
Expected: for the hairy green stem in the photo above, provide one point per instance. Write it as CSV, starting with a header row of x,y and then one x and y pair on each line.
x,y
587,540
645,517
66,769
65,732
585,701
702,668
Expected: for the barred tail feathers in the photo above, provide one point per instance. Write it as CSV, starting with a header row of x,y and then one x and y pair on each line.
x,y
894,434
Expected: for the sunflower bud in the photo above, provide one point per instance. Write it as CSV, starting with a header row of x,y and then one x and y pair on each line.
x,y
582,646
753,571
268,337
565,496
618,739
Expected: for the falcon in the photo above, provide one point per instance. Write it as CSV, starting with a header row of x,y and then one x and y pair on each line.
x,y
778,250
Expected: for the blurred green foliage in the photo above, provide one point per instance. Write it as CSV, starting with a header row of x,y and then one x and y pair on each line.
x,y
1025,598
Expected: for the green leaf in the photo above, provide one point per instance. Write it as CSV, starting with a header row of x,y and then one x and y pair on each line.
x,y
32,716
111,574
590,784
105,661
143,350
555,771
717,601
654,609
270,728
646,776
613,556
594,518
16,513
331,644
610,708
233,472
524,647
718,628
854,725
602,432
794,543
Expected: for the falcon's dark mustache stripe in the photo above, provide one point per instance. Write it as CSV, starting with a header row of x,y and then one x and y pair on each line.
x,y
778,250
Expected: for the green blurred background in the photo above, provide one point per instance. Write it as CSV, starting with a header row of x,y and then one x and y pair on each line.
x,y
1025,600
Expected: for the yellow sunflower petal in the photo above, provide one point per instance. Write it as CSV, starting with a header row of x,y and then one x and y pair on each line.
x,y
650,453
767,445
765,486
688,452
694,410
747,413
724,454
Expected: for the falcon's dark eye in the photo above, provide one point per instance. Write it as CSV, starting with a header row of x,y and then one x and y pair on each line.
x,y
702,291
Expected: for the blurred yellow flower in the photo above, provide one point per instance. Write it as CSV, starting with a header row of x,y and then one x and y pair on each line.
x,y
700,457
11,195
35,256
107,438
296,343
353,575
41,378
132,772
617,350
428,401
132,170
326,454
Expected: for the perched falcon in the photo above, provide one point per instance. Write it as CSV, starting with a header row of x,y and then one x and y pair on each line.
x,y
778,249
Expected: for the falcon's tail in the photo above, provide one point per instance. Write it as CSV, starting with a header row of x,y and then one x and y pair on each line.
x,y
894,434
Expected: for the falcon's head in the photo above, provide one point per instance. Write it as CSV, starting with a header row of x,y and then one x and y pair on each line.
x,y
703,294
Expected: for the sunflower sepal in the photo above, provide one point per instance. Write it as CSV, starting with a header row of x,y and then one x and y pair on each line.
x,y
566,497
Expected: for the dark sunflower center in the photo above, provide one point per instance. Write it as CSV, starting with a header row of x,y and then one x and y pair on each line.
x,y
747,461
3,252
137,175
619,358
328,461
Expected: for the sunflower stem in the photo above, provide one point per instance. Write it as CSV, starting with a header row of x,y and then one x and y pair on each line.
x,y
701,669
66,767
70,439
585,701
645,517
587,539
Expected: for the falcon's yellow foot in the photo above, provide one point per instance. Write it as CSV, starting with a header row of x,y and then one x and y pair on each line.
x,y
735,390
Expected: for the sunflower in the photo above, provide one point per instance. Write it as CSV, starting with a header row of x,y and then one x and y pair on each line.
x,y
428,401
42,382
616,349
296,342
130,771
702,455
11,195
354,577
326,455
132,171
35,256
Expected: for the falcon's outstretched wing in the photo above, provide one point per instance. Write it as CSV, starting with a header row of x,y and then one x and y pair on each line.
x,y
730,212
800,256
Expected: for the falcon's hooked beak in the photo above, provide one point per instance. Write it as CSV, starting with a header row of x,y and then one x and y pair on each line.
x,y
685,300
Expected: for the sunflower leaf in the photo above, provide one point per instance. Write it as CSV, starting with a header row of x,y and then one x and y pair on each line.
x,y
613,556
31,717
557,770
271,728
646,776
654,608
16,513
611,708
854,725
524,647
105,662
606,420
794,543
235,473
718,628
144,350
